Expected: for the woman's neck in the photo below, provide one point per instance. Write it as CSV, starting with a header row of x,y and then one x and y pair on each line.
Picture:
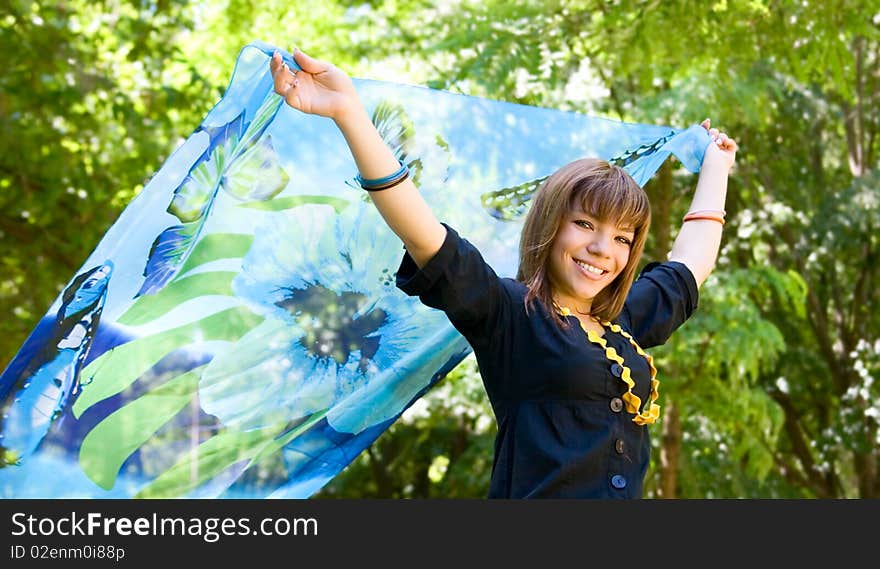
x,y
576,307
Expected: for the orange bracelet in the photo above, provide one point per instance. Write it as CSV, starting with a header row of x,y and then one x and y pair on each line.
x,y
699,215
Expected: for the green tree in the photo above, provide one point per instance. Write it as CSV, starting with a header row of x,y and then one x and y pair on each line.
x,y
93,97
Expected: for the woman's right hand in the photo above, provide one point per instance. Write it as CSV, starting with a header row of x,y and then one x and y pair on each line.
x,y
723,151
320,88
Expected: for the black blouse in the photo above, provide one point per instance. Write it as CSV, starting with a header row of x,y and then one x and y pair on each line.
x,y
563,431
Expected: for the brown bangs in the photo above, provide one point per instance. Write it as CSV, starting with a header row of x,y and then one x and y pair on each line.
x,y
611,199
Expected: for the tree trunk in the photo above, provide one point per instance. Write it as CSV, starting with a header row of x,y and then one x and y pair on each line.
x,y
659,191
670,450
381,477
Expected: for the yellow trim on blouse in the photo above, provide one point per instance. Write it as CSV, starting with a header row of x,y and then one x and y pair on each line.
x,y
632,401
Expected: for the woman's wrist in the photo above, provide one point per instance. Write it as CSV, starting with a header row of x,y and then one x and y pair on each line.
x,y
716,161
716,165
351,116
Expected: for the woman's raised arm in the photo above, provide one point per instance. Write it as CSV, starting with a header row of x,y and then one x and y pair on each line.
x,y
699,239
323,89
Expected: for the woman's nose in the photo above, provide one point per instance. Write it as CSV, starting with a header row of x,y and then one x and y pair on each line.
x,y
600,246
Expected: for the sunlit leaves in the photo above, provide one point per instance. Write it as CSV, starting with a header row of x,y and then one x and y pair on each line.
x,y
88,111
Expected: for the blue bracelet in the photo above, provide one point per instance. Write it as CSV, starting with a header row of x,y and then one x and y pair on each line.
x,y
389,181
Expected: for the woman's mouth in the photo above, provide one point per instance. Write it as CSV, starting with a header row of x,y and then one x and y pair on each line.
x,y
591,271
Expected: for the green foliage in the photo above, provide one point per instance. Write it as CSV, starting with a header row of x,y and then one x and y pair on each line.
x,y
712,367
93,97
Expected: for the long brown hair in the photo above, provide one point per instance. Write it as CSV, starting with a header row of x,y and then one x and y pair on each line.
x,y
604,191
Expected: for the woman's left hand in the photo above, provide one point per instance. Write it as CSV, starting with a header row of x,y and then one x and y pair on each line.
x,y
722,150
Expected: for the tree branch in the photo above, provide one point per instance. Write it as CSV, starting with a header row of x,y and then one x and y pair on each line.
x,y
860,293
799,445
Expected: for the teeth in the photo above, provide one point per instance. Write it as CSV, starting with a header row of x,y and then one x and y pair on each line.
x,y
591,268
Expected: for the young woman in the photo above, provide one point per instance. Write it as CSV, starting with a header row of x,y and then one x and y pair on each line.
x,y
561,347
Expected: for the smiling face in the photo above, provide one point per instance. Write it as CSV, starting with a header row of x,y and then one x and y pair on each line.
x,y
586,256
583,237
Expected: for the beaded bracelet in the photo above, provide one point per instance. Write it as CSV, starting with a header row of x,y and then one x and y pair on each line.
x,y
377,184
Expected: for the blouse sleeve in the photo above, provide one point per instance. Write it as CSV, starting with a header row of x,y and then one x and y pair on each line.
x,y
661,299
459,282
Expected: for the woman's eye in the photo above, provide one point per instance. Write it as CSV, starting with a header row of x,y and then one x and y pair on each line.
x,y
624,240
584,223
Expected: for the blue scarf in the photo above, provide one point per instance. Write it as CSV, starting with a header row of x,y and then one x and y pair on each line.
x,y
237,332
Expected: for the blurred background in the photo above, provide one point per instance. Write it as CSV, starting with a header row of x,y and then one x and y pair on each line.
x,y
767,392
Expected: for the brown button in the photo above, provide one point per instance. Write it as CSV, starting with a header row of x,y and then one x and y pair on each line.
x,y
616,404
619,446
